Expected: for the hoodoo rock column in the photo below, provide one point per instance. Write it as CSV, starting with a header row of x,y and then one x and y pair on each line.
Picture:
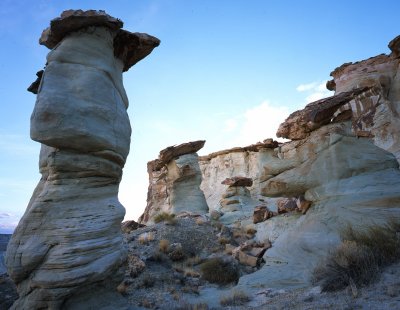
x,y
67,251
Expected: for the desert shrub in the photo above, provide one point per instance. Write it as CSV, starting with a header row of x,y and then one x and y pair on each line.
x,y
165,217
147,281
146,237
190,272
163,245
216,270
122,288
223,240
237,298
199,306
383,241
176,254
193,261
158,257
360,256
251,231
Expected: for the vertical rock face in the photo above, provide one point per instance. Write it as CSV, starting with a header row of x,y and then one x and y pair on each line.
x,y
174,182
67,248
241,161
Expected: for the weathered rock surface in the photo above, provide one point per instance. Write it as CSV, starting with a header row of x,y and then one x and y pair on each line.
x,y
238,181
174,182
67,251
130,225
340,169
316,114
241,161
128,47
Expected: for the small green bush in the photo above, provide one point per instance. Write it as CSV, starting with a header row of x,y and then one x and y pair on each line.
x,y
238,298
215,270
165,217
360,256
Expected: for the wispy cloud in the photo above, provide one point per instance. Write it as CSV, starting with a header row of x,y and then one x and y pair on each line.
x,y
305,87
314,91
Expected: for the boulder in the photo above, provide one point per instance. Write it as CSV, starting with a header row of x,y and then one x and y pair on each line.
x,y
246,259
130,225
261,214
67,251
303,204
286,205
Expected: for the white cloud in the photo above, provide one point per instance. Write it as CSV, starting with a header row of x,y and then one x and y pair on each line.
x,y
259,123
230,125
305,87
316,96
314,91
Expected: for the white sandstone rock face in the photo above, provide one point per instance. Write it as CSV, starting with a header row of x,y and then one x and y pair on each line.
x,y
243,163
174,182
81,78
349,181
376,113
67,251
343,159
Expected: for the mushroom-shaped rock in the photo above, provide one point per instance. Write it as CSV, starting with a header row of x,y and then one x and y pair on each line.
x,y
174,182
67,251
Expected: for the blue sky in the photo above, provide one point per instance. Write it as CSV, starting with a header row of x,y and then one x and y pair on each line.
x,y
226,71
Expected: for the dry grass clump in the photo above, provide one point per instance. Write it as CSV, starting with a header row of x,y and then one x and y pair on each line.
x,y
224,240
200,306
165,217
251,231
200,221
147,281
146,237
216,270
359,258
237,298
163,245
193,261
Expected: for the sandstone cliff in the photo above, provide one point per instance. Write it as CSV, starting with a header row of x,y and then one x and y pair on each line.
x,y
67,251
340,168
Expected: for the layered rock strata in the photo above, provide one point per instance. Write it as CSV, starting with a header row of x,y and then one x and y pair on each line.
x,y
174,182
341,168
67,251
246,161
341,165
367,93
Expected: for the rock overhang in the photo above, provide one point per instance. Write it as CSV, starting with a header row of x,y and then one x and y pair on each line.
x,y
129,47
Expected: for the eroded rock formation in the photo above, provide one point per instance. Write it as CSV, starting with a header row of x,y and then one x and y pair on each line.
x,y
341,168
174,182
67,251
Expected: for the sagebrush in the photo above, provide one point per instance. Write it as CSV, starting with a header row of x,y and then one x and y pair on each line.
x,y
360,256
237,298
216,270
